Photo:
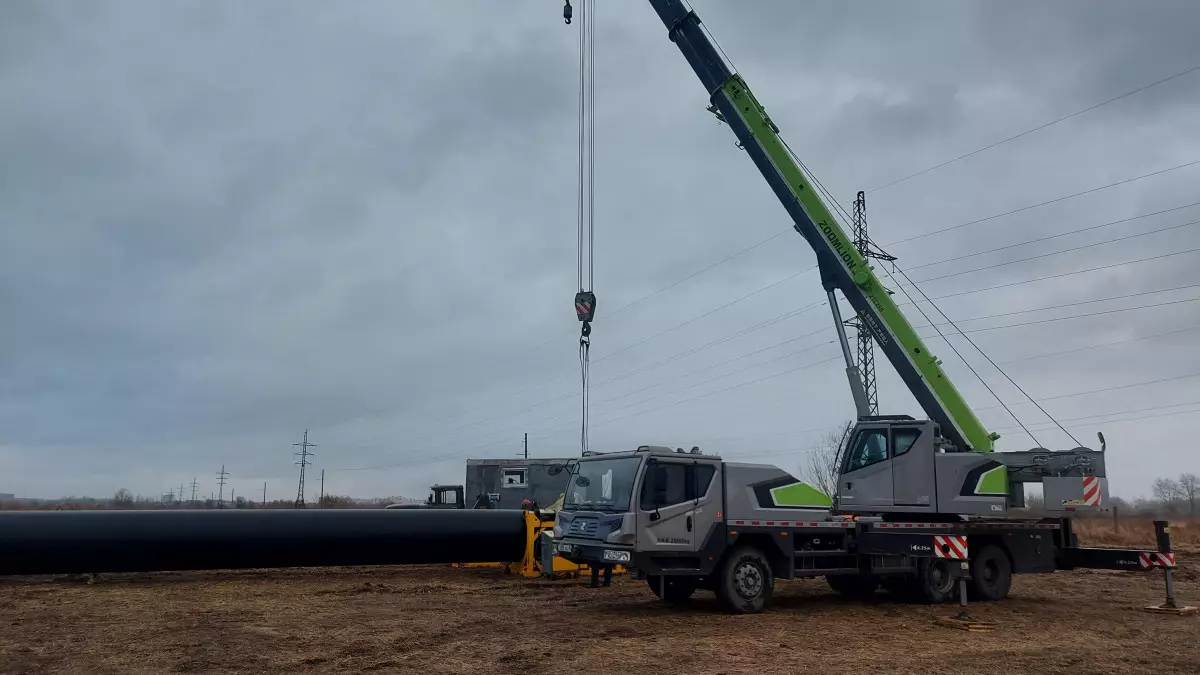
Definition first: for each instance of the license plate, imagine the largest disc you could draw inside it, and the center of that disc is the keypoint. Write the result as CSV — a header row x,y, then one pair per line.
x,y
616,556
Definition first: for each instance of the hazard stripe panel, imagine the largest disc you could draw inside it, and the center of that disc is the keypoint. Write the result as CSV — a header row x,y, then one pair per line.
x,y
953,546
1091,491
1149,559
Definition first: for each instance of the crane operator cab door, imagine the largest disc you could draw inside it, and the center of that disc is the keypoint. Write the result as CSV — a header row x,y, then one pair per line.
x,y
676,506
865,483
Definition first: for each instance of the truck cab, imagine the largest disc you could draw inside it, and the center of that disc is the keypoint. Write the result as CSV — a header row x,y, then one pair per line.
x,y
652,508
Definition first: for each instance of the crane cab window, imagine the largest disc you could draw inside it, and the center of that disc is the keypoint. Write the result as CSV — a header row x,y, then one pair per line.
x,y
870,447
903,440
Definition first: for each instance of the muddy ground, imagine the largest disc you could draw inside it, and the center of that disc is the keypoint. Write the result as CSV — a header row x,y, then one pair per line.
x,y
445,620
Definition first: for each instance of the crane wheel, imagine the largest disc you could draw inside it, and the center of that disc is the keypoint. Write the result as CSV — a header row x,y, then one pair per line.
x,y
934,583
745,581
674,590
991,574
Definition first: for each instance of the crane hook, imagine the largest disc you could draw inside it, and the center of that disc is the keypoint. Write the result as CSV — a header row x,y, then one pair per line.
x,y
567,12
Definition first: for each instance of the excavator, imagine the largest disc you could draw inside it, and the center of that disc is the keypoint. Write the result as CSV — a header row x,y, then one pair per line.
x,y
922,506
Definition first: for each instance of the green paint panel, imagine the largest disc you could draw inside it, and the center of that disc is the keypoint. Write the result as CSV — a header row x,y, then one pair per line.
x,y
800,494
896,326
994,482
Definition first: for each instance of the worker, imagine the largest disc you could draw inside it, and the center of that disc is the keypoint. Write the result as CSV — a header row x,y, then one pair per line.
x,y
596,576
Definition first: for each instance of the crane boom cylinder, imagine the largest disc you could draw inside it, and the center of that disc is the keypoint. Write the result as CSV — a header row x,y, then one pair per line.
x,y
836,253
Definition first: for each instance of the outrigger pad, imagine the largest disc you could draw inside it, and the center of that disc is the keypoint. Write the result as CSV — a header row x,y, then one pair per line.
x,y
1176,610
967,624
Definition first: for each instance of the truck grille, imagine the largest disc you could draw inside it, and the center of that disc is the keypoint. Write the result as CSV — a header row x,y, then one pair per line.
x,y
583,527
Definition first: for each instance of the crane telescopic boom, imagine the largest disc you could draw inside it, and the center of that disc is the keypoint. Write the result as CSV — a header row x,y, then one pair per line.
x,y
841,266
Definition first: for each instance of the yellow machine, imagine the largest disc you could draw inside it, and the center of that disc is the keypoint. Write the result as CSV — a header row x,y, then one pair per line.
x,y
539,532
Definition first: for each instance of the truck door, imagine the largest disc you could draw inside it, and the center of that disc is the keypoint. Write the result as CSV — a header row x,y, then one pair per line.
x,y
705,490
665,511
866,479
913,480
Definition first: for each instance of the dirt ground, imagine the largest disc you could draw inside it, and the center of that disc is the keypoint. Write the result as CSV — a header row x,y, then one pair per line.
x,y
445,620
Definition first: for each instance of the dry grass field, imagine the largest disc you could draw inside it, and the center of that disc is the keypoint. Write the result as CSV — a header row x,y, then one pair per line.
x,y
442,620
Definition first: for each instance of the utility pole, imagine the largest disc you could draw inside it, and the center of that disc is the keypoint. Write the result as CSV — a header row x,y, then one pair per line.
x,y
304,455
264,494
193,490
181,494
527,445
221,483
866,343
321,501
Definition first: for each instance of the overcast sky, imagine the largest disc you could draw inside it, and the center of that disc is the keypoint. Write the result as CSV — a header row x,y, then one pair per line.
x,y
223,222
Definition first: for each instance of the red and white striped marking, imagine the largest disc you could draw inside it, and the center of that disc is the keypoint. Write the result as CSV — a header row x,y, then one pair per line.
x,y
1149,559
1091,491
952,546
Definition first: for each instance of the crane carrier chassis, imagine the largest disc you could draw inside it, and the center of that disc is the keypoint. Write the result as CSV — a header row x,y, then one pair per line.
x,y
685,521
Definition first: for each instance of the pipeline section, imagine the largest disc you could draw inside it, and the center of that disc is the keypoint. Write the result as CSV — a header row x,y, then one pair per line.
x,y
80,542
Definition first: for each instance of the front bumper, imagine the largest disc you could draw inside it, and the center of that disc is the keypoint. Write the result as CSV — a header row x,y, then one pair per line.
x,y
592,553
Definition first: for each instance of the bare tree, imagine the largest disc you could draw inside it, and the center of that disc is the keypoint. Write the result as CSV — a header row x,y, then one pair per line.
x,y
123,498
820,468
1189,486
1167,492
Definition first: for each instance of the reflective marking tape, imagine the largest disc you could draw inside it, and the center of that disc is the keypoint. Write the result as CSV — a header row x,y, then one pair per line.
x,y
966,526
953,546
1091,491
1148,559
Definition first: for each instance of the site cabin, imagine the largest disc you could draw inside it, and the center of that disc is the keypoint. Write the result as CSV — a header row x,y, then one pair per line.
x,y
505,483
686,520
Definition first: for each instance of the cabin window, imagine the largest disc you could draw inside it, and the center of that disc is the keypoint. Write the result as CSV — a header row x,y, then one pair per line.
x,y
514,478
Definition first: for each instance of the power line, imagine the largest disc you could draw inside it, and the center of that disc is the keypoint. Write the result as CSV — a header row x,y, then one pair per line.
x,y
1034,129
506,432
1078,303
1052,236
1063,274
1160,380
1054,253
1060,318
1045,203
1104,344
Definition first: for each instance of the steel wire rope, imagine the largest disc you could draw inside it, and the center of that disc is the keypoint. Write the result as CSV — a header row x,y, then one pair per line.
x,y
829,196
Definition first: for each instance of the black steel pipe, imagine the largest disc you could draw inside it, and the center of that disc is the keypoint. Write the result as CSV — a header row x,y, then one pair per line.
x,y
69,542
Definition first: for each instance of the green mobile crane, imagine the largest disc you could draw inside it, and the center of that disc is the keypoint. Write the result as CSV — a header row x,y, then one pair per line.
x,y
910,492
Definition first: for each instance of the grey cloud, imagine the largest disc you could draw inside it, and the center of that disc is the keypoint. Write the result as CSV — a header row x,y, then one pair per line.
x,y
226,222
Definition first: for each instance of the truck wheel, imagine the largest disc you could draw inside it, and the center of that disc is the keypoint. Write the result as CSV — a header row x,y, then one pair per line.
x,y
677,589
745,581
934,582
858,587
991,574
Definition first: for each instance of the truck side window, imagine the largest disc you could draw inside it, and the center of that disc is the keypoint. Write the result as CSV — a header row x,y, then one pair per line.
x,y
665,484
869,448
702,477
903,440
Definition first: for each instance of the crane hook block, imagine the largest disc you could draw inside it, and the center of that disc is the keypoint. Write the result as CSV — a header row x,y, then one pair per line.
x,y
585,306
567,12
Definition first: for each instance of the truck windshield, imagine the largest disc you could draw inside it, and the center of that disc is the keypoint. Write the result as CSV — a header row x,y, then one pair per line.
x,y
602,484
